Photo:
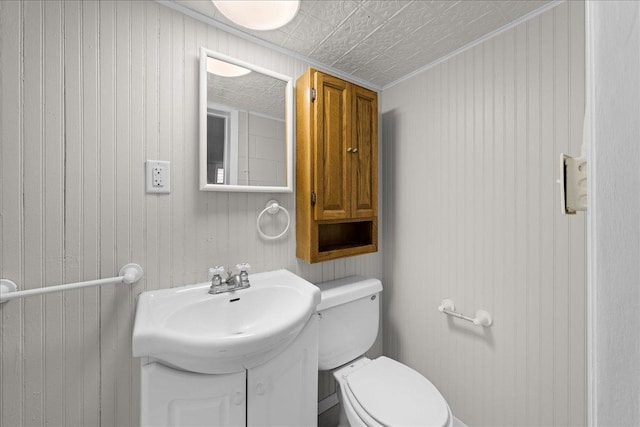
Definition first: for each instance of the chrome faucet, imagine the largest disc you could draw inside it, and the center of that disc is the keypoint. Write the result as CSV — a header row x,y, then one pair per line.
x,y
233,281
244,268
216,280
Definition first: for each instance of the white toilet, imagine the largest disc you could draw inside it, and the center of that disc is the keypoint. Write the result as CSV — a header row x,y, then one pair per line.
x,y
379,392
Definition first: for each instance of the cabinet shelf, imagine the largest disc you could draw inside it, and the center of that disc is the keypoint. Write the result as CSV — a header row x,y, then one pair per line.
x,y
344,235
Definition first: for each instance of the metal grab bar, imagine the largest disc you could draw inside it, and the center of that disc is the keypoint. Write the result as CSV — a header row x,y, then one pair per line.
x,y
483,318
128,274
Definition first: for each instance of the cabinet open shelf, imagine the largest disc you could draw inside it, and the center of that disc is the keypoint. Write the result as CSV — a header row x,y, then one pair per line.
x,y
344,235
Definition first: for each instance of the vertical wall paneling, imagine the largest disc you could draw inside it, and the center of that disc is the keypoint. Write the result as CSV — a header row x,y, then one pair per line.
x,y
123,304
72,208
548,194
577,240
53,161
199,203
165,143
522,218
533,226
137,177
481,134
107,205
54,208
178,147
499,183
150,142
91,90
89,215
509,224
11,220
562,143
33,216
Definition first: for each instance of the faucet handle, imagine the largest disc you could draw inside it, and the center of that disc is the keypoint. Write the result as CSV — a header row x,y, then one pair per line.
x,y
243,266
215,271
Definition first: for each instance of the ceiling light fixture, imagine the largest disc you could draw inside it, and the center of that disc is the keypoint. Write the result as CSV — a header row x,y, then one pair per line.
x,y
259,15
225,69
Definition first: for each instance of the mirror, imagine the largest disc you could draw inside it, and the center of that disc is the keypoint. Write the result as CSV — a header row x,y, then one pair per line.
x,y
246,126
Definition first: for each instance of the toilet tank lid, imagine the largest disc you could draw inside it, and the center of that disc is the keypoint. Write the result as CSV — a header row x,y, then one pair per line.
x,y
342,291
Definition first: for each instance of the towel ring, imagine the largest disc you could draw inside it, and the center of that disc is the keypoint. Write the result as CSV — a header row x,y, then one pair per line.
x,y
273,207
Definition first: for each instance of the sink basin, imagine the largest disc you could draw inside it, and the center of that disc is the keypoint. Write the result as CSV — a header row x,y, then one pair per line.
x,y
190,329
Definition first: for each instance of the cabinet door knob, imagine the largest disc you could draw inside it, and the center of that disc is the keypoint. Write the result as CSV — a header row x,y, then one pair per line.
x,y
349,150
260,389
355,150
238,398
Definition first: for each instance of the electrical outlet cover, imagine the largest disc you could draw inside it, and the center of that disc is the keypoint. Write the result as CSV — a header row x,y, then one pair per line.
x,y
158,176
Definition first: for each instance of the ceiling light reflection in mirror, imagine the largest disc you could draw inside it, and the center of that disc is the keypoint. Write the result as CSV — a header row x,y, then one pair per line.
x,y
224,69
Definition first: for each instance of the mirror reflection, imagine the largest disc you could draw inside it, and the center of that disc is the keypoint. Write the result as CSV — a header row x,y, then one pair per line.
x,y
246,128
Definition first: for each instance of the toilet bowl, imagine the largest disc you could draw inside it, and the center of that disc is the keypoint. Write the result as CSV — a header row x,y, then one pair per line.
x,y
378,392
383,392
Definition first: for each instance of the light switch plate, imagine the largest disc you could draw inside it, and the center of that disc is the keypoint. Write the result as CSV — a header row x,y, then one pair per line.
x,y
158,176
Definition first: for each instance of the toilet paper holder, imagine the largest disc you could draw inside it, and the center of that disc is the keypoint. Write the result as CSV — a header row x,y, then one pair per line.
x,y
483,318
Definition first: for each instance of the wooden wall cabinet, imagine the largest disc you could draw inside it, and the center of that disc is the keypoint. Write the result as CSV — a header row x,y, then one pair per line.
x,y
336,168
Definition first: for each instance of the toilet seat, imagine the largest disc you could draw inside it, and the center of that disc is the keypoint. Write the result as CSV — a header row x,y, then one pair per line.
x,y
384,392
356,414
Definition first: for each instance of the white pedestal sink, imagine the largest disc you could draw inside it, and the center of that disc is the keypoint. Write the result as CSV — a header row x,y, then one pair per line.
x,y
192,330
248,357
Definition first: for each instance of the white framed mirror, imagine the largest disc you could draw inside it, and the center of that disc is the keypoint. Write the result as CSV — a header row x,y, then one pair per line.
x,y
246,126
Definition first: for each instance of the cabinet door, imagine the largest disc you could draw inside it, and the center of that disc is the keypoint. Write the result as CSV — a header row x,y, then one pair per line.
x,y
332,119
170,397
284,391
364,155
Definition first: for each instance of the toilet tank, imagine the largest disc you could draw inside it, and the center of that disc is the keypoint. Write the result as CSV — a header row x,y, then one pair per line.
x,y
348,317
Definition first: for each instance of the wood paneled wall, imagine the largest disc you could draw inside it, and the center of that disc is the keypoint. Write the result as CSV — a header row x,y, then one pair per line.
x,y
90,90
470,159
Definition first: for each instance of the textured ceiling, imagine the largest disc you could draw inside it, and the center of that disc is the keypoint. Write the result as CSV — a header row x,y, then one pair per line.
x,y
253,92
381,41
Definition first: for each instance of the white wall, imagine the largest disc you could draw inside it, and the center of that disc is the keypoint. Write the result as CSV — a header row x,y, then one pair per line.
x,y
470,158
89,91
267,151
614,201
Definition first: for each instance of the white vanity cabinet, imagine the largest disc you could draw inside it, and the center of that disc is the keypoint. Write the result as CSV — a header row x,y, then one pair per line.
x,y
284,391
171,397
281,392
